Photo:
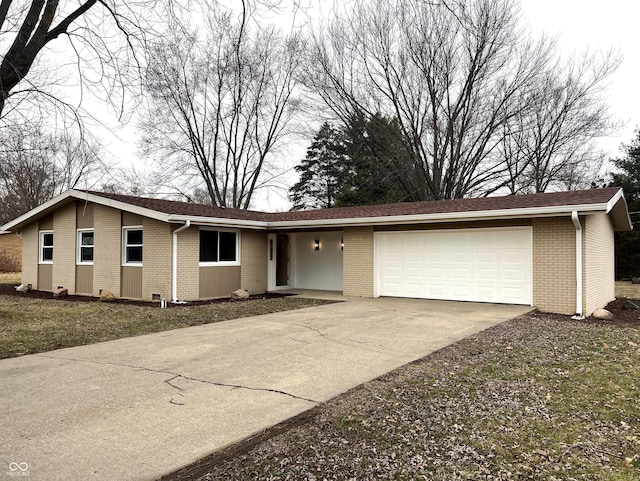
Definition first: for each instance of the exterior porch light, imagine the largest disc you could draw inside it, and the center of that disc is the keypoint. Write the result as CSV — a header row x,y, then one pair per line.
x,y
316,244
342,244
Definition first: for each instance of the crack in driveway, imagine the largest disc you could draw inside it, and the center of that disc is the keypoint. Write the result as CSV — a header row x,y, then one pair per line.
x,y
182,376
322,334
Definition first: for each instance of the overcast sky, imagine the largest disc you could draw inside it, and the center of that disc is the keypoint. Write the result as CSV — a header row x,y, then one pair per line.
x,y
599,25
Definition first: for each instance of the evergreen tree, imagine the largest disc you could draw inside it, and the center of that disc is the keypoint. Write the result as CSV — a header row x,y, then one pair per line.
x,y
373,147
321,172
628,177
352,166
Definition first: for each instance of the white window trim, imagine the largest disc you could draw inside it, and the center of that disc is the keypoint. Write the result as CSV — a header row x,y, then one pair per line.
x,y
124,245
41,245
221,263
79,247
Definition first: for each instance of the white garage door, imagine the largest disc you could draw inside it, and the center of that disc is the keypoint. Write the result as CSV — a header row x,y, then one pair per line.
x,y
483,265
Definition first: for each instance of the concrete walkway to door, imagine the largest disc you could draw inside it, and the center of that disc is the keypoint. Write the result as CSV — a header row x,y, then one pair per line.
x,y
142,407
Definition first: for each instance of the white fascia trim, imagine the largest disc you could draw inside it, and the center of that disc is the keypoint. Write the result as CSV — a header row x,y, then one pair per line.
x,y
551,211
218,222
57,199
79,195
614,200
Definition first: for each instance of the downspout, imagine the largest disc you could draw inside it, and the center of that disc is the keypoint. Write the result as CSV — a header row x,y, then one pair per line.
x,y
174,261
576,223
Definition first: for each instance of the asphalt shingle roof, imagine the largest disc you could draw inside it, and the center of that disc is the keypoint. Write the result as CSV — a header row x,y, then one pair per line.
x,y
553,199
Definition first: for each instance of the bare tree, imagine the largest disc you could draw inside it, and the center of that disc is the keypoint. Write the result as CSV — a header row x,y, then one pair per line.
x,y
553,140
220,101
458,76
35,166
105,36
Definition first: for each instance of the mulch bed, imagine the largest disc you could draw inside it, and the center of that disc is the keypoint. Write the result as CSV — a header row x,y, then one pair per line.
x,y
622,315
9,290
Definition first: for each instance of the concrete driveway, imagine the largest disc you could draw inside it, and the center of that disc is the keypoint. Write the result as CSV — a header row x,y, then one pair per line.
x,y
142,407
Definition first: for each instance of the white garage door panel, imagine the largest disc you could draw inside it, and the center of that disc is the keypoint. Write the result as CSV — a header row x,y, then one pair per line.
x,y
484,265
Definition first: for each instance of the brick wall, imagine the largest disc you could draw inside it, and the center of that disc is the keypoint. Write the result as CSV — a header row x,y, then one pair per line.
x,y
598,272
64,248
10,252
30,255
253,259
358,262
156,259
107,249
188,259
554,257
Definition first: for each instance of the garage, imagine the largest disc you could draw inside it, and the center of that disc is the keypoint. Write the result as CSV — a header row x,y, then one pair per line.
x,y
481,265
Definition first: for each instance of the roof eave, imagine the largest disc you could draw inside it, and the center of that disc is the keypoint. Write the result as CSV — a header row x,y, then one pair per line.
x,y
552,211
219,221
19,222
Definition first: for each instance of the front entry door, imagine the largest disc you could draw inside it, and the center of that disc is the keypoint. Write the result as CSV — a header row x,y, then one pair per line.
x,y
282,260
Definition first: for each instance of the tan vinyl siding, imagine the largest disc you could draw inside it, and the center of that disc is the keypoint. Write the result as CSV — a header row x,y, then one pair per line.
x,y
218,281
131,287
358,262
188,269
84,280
129,219
156,259
45,276
64,248
253,259
84,215
30,255
598,270
107,250
46,223
554,269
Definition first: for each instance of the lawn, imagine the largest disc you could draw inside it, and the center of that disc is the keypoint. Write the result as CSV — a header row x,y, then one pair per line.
x,y
541,397
29,325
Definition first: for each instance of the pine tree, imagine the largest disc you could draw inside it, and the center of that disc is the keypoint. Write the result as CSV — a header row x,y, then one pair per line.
x,y
322,172
627,245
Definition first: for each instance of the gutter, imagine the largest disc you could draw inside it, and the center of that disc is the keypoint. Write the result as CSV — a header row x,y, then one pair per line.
x,y
576,223
174,261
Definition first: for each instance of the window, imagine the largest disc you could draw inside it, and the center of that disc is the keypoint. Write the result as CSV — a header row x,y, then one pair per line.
x,y
46,247
132,246
218,247
85,247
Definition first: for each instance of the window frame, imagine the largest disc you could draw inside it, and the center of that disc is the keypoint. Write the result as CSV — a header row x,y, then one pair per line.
x,y
79,247
126,229
41,246
220,263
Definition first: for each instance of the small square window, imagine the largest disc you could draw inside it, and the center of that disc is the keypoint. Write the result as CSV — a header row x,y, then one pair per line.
x,y
132,246
85,246
46,247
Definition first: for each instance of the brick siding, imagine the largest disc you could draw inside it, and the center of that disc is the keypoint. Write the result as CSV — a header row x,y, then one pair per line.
x,y
107,255
358,262
554,259
10,252
30,255
188,260
156,259
64,248
253,260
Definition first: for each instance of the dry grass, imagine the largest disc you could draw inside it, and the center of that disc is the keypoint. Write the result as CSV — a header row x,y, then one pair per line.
x,y
29,325
628,290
